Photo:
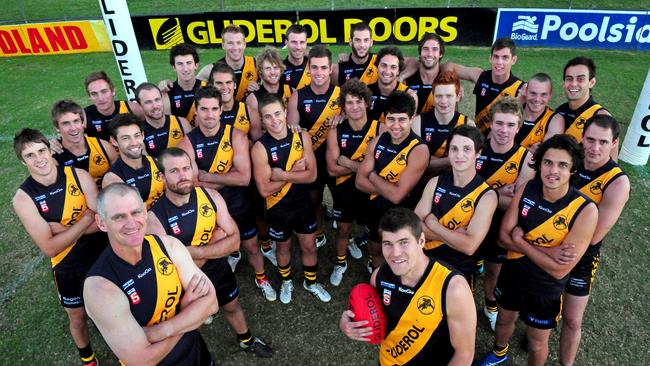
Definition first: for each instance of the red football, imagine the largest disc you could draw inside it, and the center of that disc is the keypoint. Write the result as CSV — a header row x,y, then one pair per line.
x,y
366,305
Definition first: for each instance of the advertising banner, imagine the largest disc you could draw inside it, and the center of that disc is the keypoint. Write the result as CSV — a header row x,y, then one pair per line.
x,y
53,38
616,30
460,26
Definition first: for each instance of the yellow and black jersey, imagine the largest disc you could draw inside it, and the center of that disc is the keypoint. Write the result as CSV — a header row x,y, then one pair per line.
x,y
379,102
488,93
97,123
499,170
283,154
284,92
574,119
94,161
545,224
366,72
316,111
418,333
181,101
296,76
532,132
158,139
353,144
245,75
64,202
592,183
423,90
435,135
454,208
390,159
154,290
146,179
237,117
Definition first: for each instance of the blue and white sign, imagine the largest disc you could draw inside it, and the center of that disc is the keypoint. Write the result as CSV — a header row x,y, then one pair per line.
x,y
621,30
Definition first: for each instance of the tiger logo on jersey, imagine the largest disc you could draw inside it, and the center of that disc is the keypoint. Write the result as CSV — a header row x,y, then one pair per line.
x,y
298,145
165,267
176,133
426,305
512,168
99,160
227,146
73,190
401,160
249,75
467,205
596,187
559,222
206,210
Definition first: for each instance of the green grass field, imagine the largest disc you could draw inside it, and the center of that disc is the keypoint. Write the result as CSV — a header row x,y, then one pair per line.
x,y
34,327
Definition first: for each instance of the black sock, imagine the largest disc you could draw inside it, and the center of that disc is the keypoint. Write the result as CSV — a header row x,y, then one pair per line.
x,y
310,274
246,338
87,355
491,305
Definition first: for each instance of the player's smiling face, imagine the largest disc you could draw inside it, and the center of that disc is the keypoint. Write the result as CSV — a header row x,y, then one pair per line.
x,y
185,67
130,141
462,153
225,84
125,219
37,157
430,54
398,126
297,45
446,98
388,69
71,127
538,94
402,250
320,70
270,73
597,143
361,42
504,128
152,103
274,118
502,61
355,107
101,94
577,84
234,45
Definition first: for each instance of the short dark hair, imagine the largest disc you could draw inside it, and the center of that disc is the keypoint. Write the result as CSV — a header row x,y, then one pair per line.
x,y
222,68
501,43
183,49
398,218
270,98
169,152
604,121
542,77
145,86
28,136
320,51
295,28
122,120
400,102
581,60
98,75
394,51
207,92
355,88
65,106
471,132
561,142
358,27
432,36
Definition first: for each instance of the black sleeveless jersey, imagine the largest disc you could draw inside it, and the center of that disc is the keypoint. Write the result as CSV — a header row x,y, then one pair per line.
x,y
296,76
158,139
434,134
181,100
94,161
146,179
315,112
487,93
500,170
424,91
574,119
97,123
352,144
366,72
379,102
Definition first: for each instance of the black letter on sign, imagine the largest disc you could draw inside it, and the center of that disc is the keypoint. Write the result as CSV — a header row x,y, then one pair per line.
x,y
124,67
123,48
644,123
129,85
106,11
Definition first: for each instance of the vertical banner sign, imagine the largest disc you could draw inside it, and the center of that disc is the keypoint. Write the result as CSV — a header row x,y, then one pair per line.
x,y
636,147
125,47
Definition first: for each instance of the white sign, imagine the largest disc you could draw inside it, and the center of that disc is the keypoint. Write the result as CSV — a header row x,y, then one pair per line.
x,y
636,147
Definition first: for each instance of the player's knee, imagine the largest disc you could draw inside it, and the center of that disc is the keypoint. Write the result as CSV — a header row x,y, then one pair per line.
x,y
537,345
572,322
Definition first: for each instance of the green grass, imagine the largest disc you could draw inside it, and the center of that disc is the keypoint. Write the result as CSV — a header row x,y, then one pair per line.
x,y
34,328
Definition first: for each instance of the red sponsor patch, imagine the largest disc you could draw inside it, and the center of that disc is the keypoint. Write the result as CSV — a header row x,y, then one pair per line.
x,y
44,207
524,211
199,153
133,295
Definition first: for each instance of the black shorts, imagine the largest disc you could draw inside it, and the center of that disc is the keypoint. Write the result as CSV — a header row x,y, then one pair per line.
x,y
490,249
283,222
322,175
69,285
537,311
224,281
349,203
190,350
376,208
240,208
583,274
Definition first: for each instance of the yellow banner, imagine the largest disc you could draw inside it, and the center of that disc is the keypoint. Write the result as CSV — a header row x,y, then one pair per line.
x,y
53,38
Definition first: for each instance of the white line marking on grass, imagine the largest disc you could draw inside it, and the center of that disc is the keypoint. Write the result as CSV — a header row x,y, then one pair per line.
x,y
10,289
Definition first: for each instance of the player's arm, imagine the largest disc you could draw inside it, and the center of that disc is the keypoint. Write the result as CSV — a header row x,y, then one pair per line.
x,y
204,73
358,331
154,226
185,125
262,172
303,170
219,246
109,309
424,206
610,207
555,126
334,78
89,188
526,173
463,72
418,161
50,243
461,320
110,178
167,105
240,172
333,157
199,300
111,153
293,117
362,181
411,66
467,241
252,107
413,95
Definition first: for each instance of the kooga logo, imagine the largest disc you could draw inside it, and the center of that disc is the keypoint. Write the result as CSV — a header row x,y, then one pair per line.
x,y
600,29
